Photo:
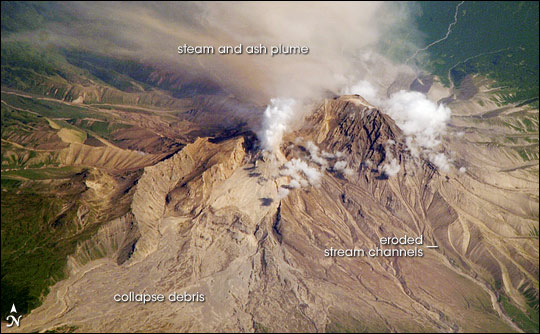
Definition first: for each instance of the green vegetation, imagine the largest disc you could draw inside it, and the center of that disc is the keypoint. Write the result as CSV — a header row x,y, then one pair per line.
x,y
38,232
534,233
63,329
260,328
41,173
39,226
531,295
40,199
14,158
31,68
495,39
101,128
349,323
10,116
18,16
51,116
21,55
526,321
52,109
118,73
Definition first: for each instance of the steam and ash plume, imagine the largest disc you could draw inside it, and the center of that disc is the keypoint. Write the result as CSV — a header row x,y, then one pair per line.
x,y
343,39
335,32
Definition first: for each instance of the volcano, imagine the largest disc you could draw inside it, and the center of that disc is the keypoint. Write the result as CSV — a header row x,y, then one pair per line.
x,y
223,219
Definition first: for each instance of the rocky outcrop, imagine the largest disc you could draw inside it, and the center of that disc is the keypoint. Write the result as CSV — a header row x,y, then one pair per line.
x,y
108,157
184,178
114,240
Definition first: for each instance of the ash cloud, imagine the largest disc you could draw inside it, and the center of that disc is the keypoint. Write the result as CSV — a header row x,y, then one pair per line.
x,y
343,39
335,33
338,34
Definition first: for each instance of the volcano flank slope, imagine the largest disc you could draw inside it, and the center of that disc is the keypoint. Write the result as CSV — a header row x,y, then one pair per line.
x,y
225,220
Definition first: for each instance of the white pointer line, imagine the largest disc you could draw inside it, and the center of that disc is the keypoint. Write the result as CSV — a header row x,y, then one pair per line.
x,y
432,246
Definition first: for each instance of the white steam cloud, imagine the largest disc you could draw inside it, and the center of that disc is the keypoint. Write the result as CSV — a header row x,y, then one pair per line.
x,y
314,153
277,119
392,168
341,166
299,171
308,170
418,117
423,122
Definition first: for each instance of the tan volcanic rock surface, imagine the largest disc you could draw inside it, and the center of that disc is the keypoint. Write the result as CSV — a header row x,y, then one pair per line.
x,y
188,175
497,197
211,220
